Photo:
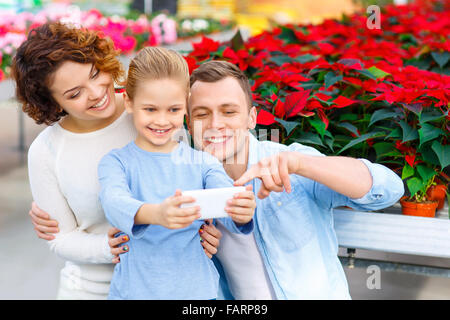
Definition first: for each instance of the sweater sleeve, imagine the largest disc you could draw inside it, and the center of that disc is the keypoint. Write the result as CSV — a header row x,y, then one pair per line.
x,y
70,242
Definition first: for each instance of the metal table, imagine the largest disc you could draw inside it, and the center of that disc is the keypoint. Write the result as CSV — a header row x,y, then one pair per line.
x,y
393,232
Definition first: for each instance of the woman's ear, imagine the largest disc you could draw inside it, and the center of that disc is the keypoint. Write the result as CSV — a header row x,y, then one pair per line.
x,y
252,118
128,103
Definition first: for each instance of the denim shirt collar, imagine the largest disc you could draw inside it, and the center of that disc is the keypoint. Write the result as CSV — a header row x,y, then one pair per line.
x,y
253,157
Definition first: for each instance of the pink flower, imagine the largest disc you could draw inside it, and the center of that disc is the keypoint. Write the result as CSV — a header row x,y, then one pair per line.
x,y
170,31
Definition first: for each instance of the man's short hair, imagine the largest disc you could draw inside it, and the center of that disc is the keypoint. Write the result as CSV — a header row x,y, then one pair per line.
x,y
216,70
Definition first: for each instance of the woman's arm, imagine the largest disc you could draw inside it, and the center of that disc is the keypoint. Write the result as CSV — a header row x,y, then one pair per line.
x,y
70,242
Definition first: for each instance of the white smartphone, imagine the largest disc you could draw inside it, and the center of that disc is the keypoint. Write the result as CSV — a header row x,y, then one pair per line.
x,y
212,202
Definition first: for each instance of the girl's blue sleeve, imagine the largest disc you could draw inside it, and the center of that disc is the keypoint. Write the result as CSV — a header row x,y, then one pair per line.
x,y
116,198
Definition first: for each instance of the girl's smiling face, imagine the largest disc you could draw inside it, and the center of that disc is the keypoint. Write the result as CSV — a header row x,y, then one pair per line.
x,y
158,109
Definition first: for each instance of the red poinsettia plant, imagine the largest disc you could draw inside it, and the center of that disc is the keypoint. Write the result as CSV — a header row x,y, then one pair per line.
x,y
349,90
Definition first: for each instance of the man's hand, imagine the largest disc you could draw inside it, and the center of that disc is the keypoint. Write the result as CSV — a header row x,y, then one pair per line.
x,y
241,207
274,173
42,224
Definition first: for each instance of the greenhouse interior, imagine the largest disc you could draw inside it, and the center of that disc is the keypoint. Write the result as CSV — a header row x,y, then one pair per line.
x,y
346,102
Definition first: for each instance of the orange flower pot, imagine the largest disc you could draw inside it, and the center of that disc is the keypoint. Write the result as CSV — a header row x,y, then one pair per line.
x,y
437,192
418,209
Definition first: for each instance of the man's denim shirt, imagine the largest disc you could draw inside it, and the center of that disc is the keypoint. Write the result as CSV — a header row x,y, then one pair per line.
x,y
295,233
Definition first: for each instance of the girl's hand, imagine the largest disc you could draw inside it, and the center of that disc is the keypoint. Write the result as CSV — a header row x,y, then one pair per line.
x,y
171,216
114,243
209,238
241,207
42,224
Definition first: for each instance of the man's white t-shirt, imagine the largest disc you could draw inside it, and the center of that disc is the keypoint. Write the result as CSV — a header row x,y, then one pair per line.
x,y
243,266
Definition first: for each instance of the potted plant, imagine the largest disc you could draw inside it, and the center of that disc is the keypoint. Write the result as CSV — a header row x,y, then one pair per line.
x,y
418,181
438,190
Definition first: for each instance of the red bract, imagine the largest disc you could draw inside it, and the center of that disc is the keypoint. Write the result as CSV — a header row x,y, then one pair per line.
x,y
342,102
192,63
265,118
296,102
239,58
410,159
203,48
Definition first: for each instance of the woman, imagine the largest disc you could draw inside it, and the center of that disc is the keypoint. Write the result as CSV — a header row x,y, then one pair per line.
x,y
65,78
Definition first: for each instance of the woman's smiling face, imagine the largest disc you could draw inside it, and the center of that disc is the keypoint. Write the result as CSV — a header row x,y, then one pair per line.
x,y
83,91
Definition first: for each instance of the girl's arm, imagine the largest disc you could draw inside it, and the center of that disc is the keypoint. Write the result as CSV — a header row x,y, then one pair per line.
x,y
70,243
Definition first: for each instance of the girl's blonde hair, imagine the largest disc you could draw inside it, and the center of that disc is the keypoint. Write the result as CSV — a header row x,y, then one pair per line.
x,y
153,63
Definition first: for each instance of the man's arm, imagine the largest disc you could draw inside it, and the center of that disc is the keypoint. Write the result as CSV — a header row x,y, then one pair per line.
x,y
354,182
348,176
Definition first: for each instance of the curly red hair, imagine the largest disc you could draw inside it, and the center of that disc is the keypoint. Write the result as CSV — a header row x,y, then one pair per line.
x,y
45,49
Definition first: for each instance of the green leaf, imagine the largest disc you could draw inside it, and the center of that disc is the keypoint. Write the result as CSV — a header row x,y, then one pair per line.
x,y
348,117
428,132
310,85
349,127
428,155
331,78
366,73
441,58
414,185
329,141
381,114
426,173
409,133
288,125
237,42
280,60
407,171
385,149
318,125
360,139
429,117
310,138
395,134
443,153
305,58
407,37
378,73
288,35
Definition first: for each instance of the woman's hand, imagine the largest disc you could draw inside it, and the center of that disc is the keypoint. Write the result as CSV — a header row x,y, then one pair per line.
x,y
241,207
209,238
42,224
114,243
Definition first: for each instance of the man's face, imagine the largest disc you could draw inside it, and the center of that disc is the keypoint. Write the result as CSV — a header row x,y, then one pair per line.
x,y
219,119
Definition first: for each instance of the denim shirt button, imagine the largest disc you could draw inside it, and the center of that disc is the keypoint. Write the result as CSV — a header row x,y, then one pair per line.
x,y
279,203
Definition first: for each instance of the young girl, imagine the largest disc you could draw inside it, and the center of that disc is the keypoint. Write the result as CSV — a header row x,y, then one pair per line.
x,y
141,187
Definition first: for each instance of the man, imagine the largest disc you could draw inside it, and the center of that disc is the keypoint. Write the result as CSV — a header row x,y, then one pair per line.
x,y
293,251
